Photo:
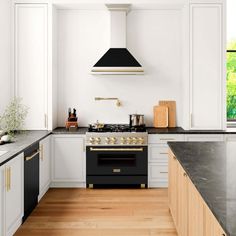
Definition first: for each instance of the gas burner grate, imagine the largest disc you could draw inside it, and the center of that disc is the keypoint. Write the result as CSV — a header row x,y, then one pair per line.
x,y
116,128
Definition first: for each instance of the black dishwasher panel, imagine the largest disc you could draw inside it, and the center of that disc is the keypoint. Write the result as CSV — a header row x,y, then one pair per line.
x,y
31,179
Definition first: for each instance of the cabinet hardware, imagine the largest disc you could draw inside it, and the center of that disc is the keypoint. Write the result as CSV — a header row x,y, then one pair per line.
x,y
32,156
191,120
116,149
116,170
45,121
41,152
163,153
163,172
90,186
142,185
166,139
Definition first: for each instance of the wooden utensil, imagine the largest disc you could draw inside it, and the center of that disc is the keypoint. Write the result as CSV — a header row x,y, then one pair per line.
x,y
171,112
160,116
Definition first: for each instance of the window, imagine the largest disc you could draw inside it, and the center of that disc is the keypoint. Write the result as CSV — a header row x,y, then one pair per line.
x,y
231,61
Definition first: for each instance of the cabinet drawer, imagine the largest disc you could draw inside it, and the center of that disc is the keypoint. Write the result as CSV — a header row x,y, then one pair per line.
x,y
164,138
204,137
158,153
158,172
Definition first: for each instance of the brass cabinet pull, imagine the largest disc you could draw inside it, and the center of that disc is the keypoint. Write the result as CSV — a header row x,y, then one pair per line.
x,y
164,139
32,156
116,149
116,170
41,152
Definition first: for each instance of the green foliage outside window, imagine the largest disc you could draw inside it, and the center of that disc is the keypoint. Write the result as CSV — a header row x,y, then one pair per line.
x,y
231,81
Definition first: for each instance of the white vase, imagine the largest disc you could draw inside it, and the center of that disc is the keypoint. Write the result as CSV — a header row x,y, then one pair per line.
x,y
6,138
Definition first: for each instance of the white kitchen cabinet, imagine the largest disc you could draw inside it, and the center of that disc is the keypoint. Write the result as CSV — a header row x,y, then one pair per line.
x,y
44,166
68,166
205,66
30,61
158,158
12,202
204,137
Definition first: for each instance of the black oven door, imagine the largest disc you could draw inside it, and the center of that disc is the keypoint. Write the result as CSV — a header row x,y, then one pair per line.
x,y
116,160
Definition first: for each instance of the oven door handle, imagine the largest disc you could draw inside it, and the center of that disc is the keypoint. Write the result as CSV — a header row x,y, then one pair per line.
x,y
116,149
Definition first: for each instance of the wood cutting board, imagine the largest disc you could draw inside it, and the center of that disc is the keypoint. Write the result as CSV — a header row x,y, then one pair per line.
x,y
160,116
171,112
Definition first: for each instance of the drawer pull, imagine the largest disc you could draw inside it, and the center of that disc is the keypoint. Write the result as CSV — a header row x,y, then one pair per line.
x,y
164,172
32,156
163,153
166,139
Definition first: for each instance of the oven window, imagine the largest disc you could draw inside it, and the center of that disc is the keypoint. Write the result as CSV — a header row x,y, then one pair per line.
x,y
117,160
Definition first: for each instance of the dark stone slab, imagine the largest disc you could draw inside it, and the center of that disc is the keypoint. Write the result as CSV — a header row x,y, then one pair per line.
x,y
211,166
63,130
180,130
177,130
20,142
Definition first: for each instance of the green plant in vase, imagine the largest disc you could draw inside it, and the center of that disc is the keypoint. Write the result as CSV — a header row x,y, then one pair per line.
x,y
13,118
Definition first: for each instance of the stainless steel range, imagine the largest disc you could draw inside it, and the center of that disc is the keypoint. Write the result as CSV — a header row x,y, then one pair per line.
x,y
116,155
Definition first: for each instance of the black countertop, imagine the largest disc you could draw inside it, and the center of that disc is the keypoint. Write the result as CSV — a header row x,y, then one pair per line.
x,y
180,130
20,142
211,167
63,130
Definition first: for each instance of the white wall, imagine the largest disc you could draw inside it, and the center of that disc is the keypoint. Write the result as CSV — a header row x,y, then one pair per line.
x,y
5,63
153,37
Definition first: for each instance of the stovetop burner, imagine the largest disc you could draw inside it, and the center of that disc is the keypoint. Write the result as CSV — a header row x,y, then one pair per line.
x,y
116,128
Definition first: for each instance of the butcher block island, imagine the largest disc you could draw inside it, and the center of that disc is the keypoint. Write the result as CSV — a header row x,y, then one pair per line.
x,y
202,188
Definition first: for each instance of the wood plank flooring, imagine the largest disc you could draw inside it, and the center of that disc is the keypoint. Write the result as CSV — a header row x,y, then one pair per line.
x,y
101,212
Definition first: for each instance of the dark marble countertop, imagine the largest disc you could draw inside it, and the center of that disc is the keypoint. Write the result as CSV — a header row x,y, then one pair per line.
x,y
176,130
211,167
20,142
180,130
63,130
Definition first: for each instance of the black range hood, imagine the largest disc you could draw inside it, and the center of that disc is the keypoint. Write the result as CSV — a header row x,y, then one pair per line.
x,y
117,59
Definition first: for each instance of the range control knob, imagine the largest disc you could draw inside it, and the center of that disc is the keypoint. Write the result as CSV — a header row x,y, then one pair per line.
x,y
107,139
123,140
141,140
91,140
97,140
129,140
134,140
113,140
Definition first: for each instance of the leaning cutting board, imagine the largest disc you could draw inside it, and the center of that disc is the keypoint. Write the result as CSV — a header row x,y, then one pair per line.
x,y
171,112
160,116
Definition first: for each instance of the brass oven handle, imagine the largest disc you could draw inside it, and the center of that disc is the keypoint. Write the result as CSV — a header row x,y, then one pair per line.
x,y
32,156
116,149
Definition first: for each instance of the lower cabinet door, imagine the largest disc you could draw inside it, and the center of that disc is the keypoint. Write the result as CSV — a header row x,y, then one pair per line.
x,y
195,212
68,158
158,175
182,205
44,165
172,190
13,194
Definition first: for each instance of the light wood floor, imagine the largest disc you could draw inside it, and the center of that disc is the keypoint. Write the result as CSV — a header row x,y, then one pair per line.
x,y
99,212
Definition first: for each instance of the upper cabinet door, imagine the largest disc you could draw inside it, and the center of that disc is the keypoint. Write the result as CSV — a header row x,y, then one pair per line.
x,y
30,61
207,62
